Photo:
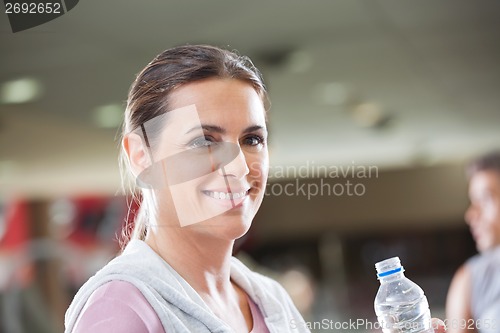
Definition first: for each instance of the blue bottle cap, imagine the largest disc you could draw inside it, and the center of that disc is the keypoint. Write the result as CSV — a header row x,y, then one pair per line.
x,y
388,267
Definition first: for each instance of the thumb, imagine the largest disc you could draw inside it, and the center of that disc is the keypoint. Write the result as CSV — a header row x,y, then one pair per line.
x,y
438,325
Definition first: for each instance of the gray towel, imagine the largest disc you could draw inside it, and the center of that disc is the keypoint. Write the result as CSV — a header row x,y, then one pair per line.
x,y
178,306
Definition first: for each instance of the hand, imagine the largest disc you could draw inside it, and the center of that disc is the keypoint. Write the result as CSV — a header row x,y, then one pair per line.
x,y
438,325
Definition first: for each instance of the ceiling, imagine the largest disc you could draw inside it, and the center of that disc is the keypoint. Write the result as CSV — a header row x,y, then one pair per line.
x,y
374,82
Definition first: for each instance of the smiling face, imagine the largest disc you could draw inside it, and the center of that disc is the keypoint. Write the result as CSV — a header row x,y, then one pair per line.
x,y
213,151
483,215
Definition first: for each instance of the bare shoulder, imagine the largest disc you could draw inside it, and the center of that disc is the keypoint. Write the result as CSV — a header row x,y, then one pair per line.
x,y
461,278
458,300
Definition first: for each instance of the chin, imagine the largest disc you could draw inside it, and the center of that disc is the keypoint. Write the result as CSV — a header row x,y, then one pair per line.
x,y
234,228
224,227
481,248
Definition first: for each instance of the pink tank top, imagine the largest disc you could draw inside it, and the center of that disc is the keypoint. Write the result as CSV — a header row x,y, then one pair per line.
x,y
118,306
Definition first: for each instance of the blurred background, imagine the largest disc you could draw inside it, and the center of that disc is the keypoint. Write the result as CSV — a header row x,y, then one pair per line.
x,y
376,106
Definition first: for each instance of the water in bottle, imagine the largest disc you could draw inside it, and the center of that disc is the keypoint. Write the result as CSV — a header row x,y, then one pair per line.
x,y
400,304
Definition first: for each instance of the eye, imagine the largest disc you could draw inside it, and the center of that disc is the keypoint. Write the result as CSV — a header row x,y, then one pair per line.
x,y
200,142
254,141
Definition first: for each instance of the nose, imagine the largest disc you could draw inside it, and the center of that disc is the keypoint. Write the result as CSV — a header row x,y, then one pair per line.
x,y
237,168
471,214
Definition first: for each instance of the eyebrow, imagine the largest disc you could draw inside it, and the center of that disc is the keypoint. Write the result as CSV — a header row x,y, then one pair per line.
x,y
220,130
254,128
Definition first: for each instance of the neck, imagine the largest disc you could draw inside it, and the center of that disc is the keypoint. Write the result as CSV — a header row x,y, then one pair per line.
x,y
204,262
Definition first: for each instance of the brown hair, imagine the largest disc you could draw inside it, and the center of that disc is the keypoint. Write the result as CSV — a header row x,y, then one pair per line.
x,y
149,97
488,162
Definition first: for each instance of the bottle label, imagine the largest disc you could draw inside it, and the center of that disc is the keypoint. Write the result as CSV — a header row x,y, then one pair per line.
x,y
389,272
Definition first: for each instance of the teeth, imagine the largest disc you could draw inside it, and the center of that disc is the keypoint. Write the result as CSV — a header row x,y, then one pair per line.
x,y
226,196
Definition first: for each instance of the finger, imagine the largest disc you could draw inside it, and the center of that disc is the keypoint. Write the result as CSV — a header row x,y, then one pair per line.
x,y
438,325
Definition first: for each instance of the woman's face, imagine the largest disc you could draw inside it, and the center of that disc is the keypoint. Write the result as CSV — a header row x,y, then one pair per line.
x,y
213,153
483,215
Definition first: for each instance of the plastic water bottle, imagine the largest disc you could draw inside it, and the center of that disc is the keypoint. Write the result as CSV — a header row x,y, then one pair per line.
x,y
400,304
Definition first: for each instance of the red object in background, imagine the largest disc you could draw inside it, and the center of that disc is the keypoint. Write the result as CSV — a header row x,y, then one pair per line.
x,y
89,213
85,231
16,224
92,220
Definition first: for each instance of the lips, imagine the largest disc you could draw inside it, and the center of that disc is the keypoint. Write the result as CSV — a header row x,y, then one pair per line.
x,y
476,234
221,195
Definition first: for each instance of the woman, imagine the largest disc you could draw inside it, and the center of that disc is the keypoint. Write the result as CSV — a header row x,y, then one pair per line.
x,y
194,138
195,141
473,301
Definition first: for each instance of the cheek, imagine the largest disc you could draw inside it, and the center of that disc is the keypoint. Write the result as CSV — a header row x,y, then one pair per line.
x,y
259,167
495,215
491,212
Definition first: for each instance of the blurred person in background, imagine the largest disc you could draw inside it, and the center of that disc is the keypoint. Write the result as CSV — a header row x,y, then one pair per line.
x,y
473,302
195,141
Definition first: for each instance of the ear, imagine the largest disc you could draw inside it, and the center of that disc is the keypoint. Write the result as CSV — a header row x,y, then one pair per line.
x,y
137,153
